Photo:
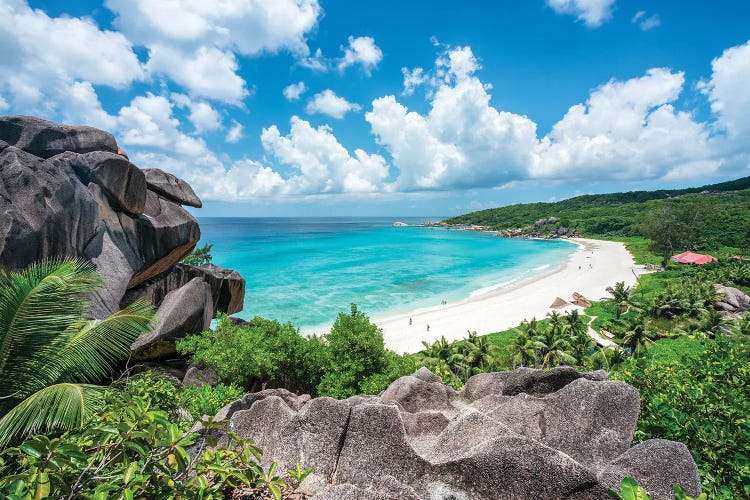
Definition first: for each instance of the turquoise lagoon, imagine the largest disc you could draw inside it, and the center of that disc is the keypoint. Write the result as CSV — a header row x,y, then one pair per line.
x,y
307,270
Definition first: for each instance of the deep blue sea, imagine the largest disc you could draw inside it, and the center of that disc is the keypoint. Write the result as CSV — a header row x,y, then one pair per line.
x,y
307,270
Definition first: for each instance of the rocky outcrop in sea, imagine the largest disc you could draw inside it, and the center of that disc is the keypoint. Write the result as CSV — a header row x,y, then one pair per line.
x,y
71,191
524,434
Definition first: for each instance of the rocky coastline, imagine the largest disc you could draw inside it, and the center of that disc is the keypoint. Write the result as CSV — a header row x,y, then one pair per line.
x,y
548,228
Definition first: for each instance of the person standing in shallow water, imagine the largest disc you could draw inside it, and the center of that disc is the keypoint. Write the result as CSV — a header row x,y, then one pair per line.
x,y
428,328
409,321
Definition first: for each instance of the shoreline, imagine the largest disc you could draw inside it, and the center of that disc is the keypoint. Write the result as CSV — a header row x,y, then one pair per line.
x,y
589,270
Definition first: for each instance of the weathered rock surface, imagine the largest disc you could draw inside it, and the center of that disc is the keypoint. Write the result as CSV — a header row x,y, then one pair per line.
x,y
71,191
189,309
121,181
171,187
45,139
515,435
732,302
227,286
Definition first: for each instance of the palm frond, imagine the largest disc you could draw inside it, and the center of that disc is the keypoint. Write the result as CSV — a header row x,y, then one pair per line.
x,y
90,353
37,304
60,406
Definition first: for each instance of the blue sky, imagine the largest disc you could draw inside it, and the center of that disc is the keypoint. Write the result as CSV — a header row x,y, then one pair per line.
x,y
316,107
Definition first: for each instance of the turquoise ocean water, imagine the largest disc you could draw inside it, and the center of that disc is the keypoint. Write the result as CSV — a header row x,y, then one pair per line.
x,y
307,270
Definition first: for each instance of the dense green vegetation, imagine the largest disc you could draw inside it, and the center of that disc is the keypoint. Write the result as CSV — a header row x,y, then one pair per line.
x,y
718,220
133,450
265,353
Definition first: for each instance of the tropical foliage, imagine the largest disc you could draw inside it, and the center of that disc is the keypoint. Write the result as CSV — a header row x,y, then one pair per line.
x,y
134,451
50,356
351,358
200,256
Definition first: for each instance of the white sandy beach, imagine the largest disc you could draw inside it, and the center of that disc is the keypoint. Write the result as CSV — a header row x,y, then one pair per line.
x,y
589,271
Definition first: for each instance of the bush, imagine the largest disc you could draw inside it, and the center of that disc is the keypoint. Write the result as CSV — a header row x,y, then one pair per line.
x,y
265,353
134,451
200,256
200,400
705,404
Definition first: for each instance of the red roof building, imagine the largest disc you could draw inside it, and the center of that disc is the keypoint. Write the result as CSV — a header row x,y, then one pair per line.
x,y
693,258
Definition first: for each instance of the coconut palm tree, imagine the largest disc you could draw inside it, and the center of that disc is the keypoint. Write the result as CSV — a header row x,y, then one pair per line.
x,y
49,354
552,349
574,324
580,347
636,336
621,298
525,352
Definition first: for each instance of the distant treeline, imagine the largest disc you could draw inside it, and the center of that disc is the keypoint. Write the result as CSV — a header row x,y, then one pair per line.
x,y
724,208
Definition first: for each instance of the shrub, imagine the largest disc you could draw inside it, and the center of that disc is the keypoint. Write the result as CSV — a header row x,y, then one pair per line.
x,y
200,400
134,451
200,256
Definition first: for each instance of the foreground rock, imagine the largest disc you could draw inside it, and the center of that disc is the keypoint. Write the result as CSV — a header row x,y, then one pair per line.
x,y
71,191
732,302
524,434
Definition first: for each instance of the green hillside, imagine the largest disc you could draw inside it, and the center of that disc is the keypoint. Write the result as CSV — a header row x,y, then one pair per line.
x,y
725,210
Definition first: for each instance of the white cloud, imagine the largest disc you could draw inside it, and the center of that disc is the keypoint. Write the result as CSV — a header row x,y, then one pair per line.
x,y
50,64
203,117
626,130
148,122
728,90
328,103
593,13
412,79
3,104
321,163
646,23
235,133
294,91
205,72
194,42
315,62
462,141
361,50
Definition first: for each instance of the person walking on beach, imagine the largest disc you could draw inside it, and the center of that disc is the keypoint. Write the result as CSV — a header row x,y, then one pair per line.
x,y
428,328
409,321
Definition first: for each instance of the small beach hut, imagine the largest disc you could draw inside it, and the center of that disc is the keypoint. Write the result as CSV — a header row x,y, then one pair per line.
x,y
693,258
559,303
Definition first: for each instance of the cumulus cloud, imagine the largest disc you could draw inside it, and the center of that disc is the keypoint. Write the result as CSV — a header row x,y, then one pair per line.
x,y
194,43
645,22
462,141
203,117
294,91
593,13
205,72
50,64
321,163
628,129
328,103
363,51
235,133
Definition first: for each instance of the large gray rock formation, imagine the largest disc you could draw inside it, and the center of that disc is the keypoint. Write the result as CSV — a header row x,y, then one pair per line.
x,y
71,191
524,434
